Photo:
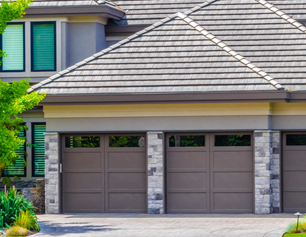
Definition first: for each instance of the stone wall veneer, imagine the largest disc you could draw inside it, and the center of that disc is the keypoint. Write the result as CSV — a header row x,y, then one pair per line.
x,y
52,173
155,161
267,172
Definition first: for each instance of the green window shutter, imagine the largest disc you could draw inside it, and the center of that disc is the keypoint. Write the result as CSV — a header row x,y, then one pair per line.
x,y
19,168
43,46
39,150
13,46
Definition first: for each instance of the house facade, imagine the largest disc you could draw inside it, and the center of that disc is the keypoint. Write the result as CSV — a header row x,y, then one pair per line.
x,y
162,107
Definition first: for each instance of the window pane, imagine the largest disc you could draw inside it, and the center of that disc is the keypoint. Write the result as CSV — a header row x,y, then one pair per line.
x,y
43,37
186,141
39,149
86,141
233,140
126,141
19,168
296,140
13,46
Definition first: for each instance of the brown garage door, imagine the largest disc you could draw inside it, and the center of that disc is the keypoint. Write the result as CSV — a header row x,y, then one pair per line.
x,y
209,173
104,174
294,172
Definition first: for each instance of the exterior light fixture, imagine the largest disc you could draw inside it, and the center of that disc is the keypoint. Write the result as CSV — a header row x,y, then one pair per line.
x,y
298,218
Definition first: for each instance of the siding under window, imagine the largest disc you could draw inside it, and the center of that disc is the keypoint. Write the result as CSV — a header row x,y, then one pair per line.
x,y
38,153
19,168
43,46
13,46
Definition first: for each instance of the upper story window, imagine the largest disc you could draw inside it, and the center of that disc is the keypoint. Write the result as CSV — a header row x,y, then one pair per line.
x,y
43,46
12,43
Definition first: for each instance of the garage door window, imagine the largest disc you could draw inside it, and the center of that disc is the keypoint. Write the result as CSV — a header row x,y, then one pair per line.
x,y
296,140
233,140
82,142
126,141
187,141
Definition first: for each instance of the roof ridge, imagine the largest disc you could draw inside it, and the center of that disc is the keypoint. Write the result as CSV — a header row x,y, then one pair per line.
x,y
99,54
230,51
282,14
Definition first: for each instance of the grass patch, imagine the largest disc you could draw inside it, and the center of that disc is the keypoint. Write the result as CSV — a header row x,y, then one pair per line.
x,y
295,235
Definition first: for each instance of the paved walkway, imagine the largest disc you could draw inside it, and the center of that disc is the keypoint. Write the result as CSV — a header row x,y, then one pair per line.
x,y
133,225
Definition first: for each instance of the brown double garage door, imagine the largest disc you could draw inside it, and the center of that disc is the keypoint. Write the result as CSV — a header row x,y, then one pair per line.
x,y
104,174
205,173
210,173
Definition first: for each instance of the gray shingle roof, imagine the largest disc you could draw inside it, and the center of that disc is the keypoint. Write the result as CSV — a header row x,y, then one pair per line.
x,y
66,3
150,11
212,47
264,35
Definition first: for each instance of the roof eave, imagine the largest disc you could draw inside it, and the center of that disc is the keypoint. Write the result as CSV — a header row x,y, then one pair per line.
x,y
166,98
100,10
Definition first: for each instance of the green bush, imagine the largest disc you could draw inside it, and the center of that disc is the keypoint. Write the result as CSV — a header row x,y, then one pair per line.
x,y
28,220
11,205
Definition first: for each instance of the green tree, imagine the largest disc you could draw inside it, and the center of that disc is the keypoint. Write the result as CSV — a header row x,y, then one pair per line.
x,y
11,10
14,99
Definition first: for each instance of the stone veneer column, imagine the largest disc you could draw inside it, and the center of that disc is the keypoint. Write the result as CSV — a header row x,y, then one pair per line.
x,y
267,171
52,173
155,161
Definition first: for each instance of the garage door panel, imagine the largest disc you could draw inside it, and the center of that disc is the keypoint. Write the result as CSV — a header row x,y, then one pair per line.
x,y
294,181
82,161
102,179
294,160
233,181
83,181
127,202
187,181
83,202
125,160
187,202
126,181
232,202
241,160
187,160
294,172
217,178
294,202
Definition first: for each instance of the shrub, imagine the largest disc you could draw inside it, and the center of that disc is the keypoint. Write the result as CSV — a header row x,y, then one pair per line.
x,y
16,231
28,220
292,227
11,204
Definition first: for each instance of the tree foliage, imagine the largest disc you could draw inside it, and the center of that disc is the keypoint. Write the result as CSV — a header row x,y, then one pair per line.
x,y
11,10
14,99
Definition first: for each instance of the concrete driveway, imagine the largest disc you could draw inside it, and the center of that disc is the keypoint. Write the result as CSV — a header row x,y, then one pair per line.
x,y
115,225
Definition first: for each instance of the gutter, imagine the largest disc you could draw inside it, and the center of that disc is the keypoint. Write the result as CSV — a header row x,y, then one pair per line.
x,y
104,10
207,97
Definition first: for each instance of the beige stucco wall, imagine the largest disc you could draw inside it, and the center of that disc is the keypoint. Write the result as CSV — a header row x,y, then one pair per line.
x,y
176,117
145,124
156,110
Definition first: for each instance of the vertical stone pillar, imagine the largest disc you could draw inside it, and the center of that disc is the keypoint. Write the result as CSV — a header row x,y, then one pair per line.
x,y
275,172
155,161
267,173
52,173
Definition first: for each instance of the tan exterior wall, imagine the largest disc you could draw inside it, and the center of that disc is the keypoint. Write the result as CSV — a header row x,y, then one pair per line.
x,y
288,122
156,110
145,124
